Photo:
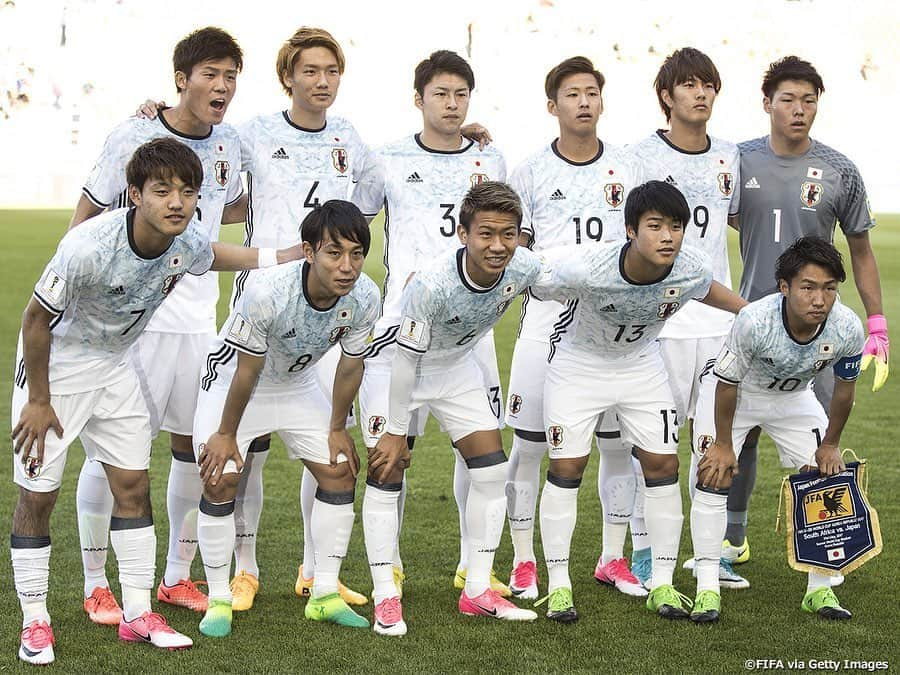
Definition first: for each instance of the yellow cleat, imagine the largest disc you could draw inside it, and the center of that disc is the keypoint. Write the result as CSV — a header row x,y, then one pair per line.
x,y
303,588
736,555
399,578
243,591
459,581
350,596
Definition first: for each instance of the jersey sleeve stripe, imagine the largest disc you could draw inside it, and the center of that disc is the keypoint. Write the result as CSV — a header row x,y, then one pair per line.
x,y
354,355
93,199
246,350
47,305
236,199
727,380
411,349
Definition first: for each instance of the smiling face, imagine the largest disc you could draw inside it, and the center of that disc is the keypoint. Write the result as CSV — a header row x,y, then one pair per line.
x,y
208,89
810,295
444,104
657,238
314,79
334,266
792,110
165,205
578,105
691,101
490,242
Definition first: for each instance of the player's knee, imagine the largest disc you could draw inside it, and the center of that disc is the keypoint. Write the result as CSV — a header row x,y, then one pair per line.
x,y
131,492
182,447
724,485
224,490
658,467
570,468
373,477
334,478
34,507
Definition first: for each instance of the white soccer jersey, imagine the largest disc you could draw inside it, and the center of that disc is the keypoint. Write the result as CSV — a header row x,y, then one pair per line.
x,y
291,169
761,355
192,307
566,203
609,316
275,318
104,294
445,313
421,190
709,181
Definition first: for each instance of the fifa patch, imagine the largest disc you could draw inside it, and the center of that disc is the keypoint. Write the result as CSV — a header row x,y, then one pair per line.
x,y
222,172
614,194
725,360
376,424
478,179
704,443
515,404
338,333
340,160
240,330
671,292
345,314
813,172
53,288
725,181
412,332
555,435
811,193
175,261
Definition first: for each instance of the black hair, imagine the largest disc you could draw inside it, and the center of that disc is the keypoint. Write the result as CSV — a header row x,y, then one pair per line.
x,y
659,196
442,61
574,66
336,219
791,68
809,251
490,196
205,44
679,67
163,158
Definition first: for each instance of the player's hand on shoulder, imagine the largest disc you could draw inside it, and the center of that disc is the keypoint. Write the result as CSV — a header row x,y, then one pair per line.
x,y
290,254
35,420
717,466
478,133
389,454
215,453
829,460
341,443
149,109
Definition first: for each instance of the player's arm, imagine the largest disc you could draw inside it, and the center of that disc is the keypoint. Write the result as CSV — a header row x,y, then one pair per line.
x,y
233,258
828,456
478,133
391,451
868,283
347,379
37,415
236,212
734,221
222,445
719,463
84,209
721,297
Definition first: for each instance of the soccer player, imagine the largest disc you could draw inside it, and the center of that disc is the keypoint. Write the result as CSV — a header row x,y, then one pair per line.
x,y
795,186
420,181
445,310
284,322
607,359
169,355
96,296
706,170
573,192
774,350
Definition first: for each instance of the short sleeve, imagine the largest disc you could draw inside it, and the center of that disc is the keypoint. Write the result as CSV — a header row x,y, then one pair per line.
x,y
69,270
847,367
364,159
106,181
738,352
247,327
704,275
853,210
735,205
420,306
203,254
522,181
368,193
356,342
246,133
564,273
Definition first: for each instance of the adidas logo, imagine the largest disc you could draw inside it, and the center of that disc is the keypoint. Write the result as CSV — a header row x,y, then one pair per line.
x,y
117,290
290,334
455,319
671,181
280,154
609,308
414,178
752,183
557,195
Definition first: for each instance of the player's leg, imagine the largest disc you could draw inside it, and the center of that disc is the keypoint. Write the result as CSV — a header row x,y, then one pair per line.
x,y
248,503
736,547
93,506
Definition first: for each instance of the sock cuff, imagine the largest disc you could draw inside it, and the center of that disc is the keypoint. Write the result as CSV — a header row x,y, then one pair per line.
x,y
720,492
384,487
116,523
335,498
216,510
260,445
21,541
661,482
532,436
185,456
483,461
559,481
608,434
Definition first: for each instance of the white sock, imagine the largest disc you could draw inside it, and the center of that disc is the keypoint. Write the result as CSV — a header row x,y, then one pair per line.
x,y
332,521
380,530
94,503
461,485
485,516
816,580
708,520
308,487
401,505
692,475
247,509
664,520
522,487
182,502
134,541
616,487
559,511
215,530
31,572
640,540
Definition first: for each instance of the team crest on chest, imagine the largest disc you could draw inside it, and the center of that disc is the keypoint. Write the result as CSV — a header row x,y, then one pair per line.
x,y
726,183
614,193
478,178
338,333
340,160
170,281
222,172
667,309
811,193
502,306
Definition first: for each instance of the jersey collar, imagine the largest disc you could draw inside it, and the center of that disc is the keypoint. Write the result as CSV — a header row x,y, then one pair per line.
x,y
129,228
632,281
173,130
464,276
554,146
464,148
287,118
304,274
787,328
662,134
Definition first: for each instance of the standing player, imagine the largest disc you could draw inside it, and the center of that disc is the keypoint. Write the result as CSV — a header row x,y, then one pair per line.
x,y
573,191
706,170
446,309
776,347
168,357
795,186
607,359
420,181
94,299
279,328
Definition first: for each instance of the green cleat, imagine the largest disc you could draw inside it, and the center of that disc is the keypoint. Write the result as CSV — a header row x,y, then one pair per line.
x,y
560,607
217,620
707,606
333,609
824,602
669,603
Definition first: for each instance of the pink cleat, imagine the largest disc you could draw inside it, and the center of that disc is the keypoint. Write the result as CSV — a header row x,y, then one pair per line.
x,y
152,627
389,617
523,580
36,646
102,608
183,594
616,573
491,604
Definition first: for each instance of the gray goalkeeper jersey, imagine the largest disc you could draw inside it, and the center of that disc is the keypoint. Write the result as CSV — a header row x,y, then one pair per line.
x,y
785,198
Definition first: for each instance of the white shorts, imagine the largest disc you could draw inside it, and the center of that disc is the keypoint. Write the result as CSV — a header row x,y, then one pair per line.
x,y
687,360
579,389
324,370
169,366
299,414
795,422
111,422
374,393
456,397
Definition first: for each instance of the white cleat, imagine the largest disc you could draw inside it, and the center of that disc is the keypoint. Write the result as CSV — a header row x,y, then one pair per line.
x,y
389,617
36,646
491,604
617,573
151,627
523,581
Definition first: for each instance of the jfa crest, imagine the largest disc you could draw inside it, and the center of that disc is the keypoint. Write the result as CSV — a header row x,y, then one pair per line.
x,y
338,333
515,404
502,306
222,172
828,504
726,183
667,309
703,444
811,193
170,282
615,194
555,436
339,159
32,467
376,424
478,178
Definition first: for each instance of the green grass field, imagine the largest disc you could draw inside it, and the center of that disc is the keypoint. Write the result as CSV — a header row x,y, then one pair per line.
x,y
615,633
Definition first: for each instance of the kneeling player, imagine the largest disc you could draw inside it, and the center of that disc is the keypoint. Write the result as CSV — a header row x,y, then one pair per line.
x,y
605,358
446,310
282,325
765,371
